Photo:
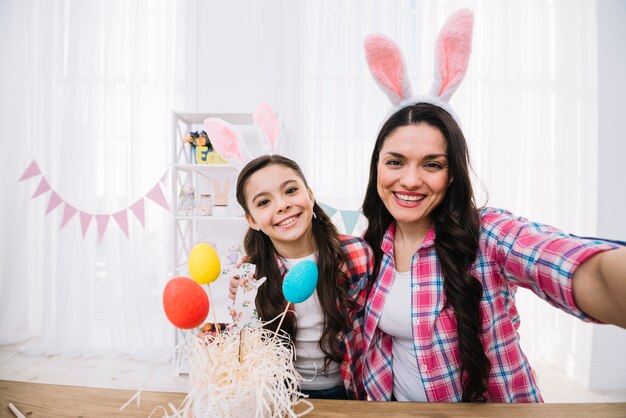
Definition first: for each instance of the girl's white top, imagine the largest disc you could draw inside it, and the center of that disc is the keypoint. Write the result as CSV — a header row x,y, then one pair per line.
x,y
309,358
395,320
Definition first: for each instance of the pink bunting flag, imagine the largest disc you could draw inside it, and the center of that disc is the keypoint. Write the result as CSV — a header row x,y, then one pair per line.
x,y
164,178
68,213
85,220
139,212
55,200
31,171
156,195
42,188
102,221
122,220
138,208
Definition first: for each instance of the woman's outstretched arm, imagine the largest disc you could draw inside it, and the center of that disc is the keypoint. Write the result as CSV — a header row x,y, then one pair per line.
x,y
600,287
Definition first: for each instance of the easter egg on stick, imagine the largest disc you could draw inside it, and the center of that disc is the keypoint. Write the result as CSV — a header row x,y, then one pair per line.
x,y
300,282
185,303
298,285
204,263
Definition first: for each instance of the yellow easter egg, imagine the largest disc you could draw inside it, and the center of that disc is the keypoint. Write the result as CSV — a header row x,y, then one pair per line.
x,y
204,264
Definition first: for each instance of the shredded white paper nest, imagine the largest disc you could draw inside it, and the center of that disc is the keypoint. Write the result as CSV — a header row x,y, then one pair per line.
x,y
258,379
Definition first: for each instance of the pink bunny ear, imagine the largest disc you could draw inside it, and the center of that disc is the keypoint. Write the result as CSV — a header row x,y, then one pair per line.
x,y
227,140
265,118
452,52
386,64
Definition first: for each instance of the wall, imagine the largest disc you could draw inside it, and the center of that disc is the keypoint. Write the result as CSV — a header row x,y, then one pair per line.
x,y
247,53
608,343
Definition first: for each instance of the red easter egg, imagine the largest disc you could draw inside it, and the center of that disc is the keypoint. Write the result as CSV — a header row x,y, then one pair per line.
x,y
185,302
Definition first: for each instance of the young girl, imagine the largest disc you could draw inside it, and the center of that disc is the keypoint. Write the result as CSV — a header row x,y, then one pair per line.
x,y
286,227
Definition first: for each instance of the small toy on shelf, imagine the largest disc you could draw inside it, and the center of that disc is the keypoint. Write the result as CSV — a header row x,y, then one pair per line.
x,y
186,200
201,149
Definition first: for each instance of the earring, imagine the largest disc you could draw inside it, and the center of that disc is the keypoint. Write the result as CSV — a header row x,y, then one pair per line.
x,y
314,215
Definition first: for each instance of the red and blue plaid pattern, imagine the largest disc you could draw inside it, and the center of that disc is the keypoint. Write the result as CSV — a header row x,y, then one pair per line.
x,y
359,272
513,252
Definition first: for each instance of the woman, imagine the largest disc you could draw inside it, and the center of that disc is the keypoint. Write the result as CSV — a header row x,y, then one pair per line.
x,y
441,323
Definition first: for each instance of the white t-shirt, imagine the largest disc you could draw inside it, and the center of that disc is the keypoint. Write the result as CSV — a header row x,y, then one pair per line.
x,y
395,320
309,358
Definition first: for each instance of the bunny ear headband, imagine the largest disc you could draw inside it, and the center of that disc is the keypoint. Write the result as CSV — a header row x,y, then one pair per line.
x,y
452,51
229,142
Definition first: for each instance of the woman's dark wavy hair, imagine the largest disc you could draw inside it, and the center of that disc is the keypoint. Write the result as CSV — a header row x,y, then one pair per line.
x,y
332,285
457,225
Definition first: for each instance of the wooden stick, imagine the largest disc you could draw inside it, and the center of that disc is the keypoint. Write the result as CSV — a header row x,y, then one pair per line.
x,y
281,320
212,308
16,411
241,344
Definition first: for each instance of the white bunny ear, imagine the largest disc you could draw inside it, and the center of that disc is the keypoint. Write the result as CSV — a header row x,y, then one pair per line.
x,y
265,118
452,52
227,141
386,64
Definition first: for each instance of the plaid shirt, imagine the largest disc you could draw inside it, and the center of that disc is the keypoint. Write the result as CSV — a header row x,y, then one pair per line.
x,y
359,272
512,252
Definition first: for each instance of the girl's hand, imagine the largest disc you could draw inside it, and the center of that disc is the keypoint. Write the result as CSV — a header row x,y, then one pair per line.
x,y
233,284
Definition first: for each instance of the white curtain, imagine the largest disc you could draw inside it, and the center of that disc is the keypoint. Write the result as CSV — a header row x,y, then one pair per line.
x,y
87,92
528,106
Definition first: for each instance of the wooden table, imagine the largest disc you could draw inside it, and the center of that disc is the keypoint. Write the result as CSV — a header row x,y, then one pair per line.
x,y
39,400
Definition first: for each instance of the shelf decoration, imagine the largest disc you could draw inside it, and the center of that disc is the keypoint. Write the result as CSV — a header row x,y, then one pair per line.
x,y
346,221
186,200
102,220
202,151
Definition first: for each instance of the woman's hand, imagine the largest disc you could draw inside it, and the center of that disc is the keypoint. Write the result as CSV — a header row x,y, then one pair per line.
x,y
600,287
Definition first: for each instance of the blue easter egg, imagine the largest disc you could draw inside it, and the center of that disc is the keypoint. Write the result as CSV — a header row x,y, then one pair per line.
x,y
300,282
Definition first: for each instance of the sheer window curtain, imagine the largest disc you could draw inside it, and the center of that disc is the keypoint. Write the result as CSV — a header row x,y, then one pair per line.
x,y
91,86
528,108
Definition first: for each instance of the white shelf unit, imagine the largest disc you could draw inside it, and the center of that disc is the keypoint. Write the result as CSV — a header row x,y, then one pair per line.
x,y
222,232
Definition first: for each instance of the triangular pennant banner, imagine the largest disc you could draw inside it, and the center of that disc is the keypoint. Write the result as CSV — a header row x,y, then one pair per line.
x,y
42,188
102,221
138,208
139,212
55,200
350,217
330,211
68,213
31,171
156,195
164,178
122,220
85,220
